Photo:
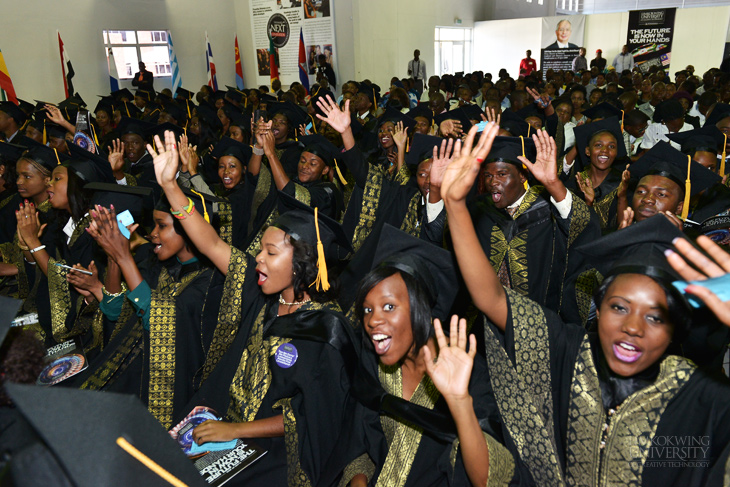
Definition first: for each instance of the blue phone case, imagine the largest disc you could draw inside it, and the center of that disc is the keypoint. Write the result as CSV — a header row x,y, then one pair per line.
x,y
718,285
124,219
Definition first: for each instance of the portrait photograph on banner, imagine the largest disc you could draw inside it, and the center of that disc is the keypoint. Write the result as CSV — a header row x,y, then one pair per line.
x,y
561,39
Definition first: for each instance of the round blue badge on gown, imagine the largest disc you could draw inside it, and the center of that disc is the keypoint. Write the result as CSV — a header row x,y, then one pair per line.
x,y
286,355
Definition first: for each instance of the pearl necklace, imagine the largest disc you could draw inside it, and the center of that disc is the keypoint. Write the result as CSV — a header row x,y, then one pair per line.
x,y
295,303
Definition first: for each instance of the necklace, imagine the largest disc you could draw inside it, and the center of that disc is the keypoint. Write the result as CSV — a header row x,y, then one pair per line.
x,y
295,303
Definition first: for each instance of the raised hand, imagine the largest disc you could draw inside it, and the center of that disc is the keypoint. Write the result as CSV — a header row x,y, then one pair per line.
x,y
54,114
116,155
442,157
623,186
86,285
586,185
451,371
336,118
460,174
627,218
714,266
545,167
105,230
450,127
29,225
184,153
493,116
303,130
262,128
400,136
165,159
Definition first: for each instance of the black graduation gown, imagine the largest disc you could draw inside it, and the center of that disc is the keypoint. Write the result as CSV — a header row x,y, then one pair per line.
x,y
249,383
9,204
536,243
183,317
605,202
542,364
321,194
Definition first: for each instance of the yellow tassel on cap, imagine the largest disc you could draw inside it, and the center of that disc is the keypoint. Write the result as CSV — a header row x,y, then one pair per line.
x,y
205,208
57,158
94,133
339,174
127,109
687,190
522,139
322,279
45,135
724,154
187,105
622,121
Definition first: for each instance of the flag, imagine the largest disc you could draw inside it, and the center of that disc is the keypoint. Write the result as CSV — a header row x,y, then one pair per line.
x,y
273,60
303,75
210,64
6,84
113,75
239,68
174,68
66,68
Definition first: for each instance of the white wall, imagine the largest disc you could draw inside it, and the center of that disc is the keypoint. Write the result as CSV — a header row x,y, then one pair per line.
x,y
502,44
518,9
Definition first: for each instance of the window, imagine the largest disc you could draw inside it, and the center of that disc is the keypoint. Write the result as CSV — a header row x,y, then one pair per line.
x,y
130,47
452,50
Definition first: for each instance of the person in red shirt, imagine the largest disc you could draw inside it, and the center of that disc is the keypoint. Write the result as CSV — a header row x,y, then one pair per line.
x,y
527,65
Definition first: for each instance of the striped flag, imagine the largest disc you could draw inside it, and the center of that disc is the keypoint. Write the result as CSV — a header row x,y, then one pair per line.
x,y
210,64
113,75
174,68
66,68
7,92
303,75
273,60
239,68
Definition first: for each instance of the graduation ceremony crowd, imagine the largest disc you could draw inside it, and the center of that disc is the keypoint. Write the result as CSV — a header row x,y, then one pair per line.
x,y
482,283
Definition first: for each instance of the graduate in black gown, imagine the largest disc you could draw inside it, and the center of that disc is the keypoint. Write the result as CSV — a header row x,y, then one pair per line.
x,y
597,409
285,379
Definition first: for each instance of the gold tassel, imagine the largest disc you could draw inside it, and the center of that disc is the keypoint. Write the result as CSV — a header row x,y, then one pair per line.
x,y
127,108
187,105
622,121
45,136
523,142
724,154
687,190
339,174
93,131
322,279
205,208
57,158
522,139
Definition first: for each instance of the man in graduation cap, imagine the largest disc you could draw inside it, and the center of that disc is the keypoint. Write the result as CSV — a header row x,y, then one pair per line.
x,y
668,119
286,118
12,119
132,134
528,231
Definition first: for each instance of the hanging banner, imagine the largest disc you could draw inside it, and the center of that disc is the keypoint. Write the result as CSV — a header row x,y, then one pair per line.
x,y
278,22
561,39
649,38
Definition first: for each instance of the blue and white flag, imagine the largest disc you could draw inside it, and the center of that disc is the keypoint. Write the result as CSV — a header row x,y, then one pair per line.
x,y
113,76
174,68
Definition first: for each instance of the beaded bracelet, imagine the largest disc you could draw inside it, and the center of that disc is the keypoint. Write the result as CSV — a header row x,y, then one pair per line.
x,y
186,211
114,295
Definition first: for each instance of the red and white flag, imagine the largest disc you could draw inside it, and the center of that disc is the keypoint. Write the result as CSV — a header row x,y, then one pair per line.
x,y
66,68
210,64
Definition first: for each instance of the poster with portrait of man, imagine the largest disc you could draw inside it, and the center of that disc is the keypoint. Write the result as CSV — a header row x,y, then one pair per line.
x,y
563,32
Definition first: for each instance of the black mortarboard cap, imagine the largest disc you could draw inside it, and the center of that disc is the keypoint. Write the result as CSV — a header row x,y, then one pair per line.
x,y
10,153
665,160
91,168
530,111
268,99
123,93
161,128
27,107
61,416
74,100
184,94
719,111
239,119
208,115
394,116
321,95
123,197
55,130
584,133
426,262
602,110
297,220
707,138
8,310
293,113
128,109
105,104
133,126
515,125
320,146
371,92
508,149
176,111
421,111
45,156
151,112
422,148
668,110
14,112
473,112
233,94
230,147
145,94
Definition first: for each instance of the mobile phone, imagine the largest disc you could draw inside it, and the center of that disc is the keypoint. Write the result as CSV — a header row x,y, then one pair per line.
x,y
73,269
125,219
481,126
259,114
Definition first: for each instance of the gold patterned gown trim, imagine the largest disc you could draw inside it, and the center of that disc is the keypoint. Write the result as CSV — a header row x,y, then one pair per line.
x,y
523,390
403,438
632,428
302,194
412,220
5,201
515,251
162,344
60,299
296,477
263,188
102,376
403,176
585,284
225,215
602,208
368,210
229,315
